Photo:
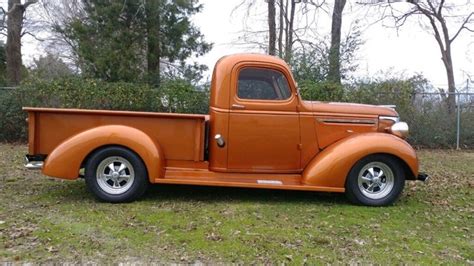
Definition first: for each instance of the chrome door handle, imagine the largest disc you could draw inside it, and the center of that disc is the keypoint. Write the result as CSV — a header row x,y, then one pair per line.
x,y
238,106
220,140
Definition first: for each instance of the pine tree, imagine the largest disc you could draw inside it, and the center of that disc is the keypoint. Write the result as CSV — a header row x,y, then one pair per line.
x,y
135,40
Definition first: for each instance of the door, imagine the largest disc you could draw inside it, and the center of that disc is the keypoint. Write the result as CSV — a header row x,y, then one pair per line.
x,y
264,132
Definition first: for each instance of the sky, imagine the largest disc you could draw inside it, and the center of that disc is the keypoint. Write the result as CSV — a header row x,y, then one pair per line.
x,y
410,50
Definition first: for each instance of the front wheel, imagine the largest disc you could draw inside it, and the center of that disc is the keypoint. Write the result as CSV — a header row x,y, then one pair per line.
x,y
376,180
116,174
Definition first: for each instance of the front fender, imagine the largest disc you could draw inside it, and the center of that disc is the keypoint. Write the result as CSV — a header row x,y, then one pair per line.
x,y
66,159
330,167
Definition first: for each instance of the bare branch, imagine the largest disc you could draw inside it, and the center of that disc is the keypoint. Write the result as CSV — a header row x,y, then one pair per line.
x,y
440,8
29,2
23,6
463,26
32,35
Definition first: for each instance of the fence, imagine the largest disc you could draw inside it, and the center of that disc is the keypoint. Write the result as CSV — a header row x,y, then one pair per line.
x,y
464,104
431,125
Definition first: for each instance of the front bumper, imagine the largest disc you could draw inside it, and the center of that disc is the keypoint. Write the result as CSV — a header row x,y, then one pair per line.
x,y
423,177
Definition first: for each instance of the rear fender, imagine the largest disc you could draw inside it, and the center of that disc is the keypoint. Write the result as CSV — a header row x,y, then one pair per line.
x,y
331,166
66,159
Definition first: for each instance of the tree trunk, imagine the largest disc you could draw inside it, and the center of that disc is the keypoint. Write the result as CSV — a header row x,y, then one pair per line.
x,y
271,28
13,46
441,34
280,30
448,64
334,74
153,42
289,32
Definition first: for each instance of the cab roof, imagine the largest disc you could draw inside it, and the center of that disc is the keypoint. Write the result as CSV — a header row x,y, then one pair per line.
x,y
220,85
236,58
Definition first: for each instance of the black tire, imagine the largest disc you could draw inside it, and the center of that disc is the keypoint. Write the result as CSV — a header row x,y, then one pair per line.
x,y
104,190
358,190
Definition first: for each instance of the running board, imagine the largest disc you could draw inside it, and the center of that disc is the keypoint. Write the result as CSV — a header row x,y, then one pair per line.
x,y
267,181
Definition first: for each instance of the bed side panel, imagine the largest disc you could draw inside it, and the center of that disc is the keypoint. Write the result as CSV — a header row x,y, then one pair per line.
x,y
179,137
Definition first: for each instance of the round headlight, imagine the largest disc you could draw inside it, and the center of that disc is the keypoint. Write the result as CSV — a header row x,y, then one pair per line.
x,y
399,129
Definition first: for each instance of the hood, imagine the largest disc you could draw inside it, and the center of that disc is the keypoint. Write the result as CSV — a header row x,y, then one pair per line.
x,y
348,108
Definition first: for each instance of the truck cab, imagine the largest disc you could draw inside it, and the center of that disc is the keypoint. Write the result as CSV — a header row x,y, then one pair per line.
x,y
255,100
259,133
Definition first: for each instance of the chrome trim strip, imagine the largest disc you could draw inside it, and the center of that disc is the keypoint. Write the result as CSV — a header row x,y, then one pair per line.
x,y
269,182
395,119
348,121
393,106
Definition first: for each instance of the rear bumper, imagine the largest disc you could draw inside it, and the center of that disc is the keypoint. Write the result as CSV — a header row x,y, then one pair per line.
x,y
423,177
34,162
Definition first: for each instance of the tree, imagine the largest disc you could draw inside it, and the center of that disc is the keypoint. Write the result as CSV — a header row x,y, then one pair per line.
x,y
289,24
108,40
55,15
153,40
49,67
171,36
15,17
334,74
311,67
134,40
3,65
280,29
289,12
438,16
271,28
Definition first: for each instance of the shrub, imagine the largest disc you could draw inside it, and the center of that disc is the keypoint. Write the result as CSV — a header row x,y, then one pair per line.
x,y
430,123
321,91
179,96
12,119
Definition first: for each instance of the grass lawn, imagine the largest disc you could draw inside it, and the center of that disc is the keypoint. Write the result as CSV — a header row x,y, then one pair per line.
x,y
49,220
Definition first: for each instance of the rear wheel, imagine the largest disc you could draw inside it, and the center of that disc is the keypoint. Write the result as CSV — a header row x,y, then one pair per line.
x,y
116,174
376,180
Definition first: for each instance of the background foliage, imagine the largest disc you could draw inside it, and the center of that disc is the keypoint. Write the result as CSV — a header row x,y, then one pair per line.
x,y
430,123
175,95
135,41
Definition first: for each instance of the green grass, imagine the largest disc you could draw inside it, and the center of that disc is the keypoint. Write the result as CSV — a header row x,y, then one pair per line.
x,y
49,220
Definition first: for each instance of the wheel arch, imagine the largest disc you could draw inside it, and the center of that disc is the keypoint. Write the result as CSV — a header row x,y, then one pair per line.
x,y
330,167
409,175
89,155
405,167
67,158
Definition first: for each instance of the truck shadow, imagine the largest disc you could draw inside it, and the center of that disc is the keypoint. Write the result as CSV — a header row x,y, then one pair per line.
x,y
76,191
223,194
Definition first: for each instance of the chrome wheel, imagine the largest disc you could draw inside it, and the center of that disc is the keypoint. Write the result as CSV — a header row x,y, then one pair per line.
x,y
375,180
115,175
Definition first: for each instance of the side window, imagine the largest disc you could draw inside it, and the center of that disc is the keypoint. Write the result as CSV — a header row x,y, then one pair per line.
x,y
262,84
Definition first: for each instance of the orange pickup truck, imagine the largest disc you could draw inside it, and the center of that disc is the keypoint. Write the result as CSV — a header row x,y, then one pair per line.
x,y
259,133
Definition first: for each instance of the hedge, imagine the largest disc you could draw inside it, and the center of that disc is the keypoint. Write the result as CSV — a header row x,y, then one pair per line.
x,y
430,124
172,96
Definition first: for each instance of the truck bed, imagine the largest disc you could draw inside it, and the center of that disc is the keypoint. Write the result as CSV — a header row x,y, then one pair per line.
x,y
181,136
